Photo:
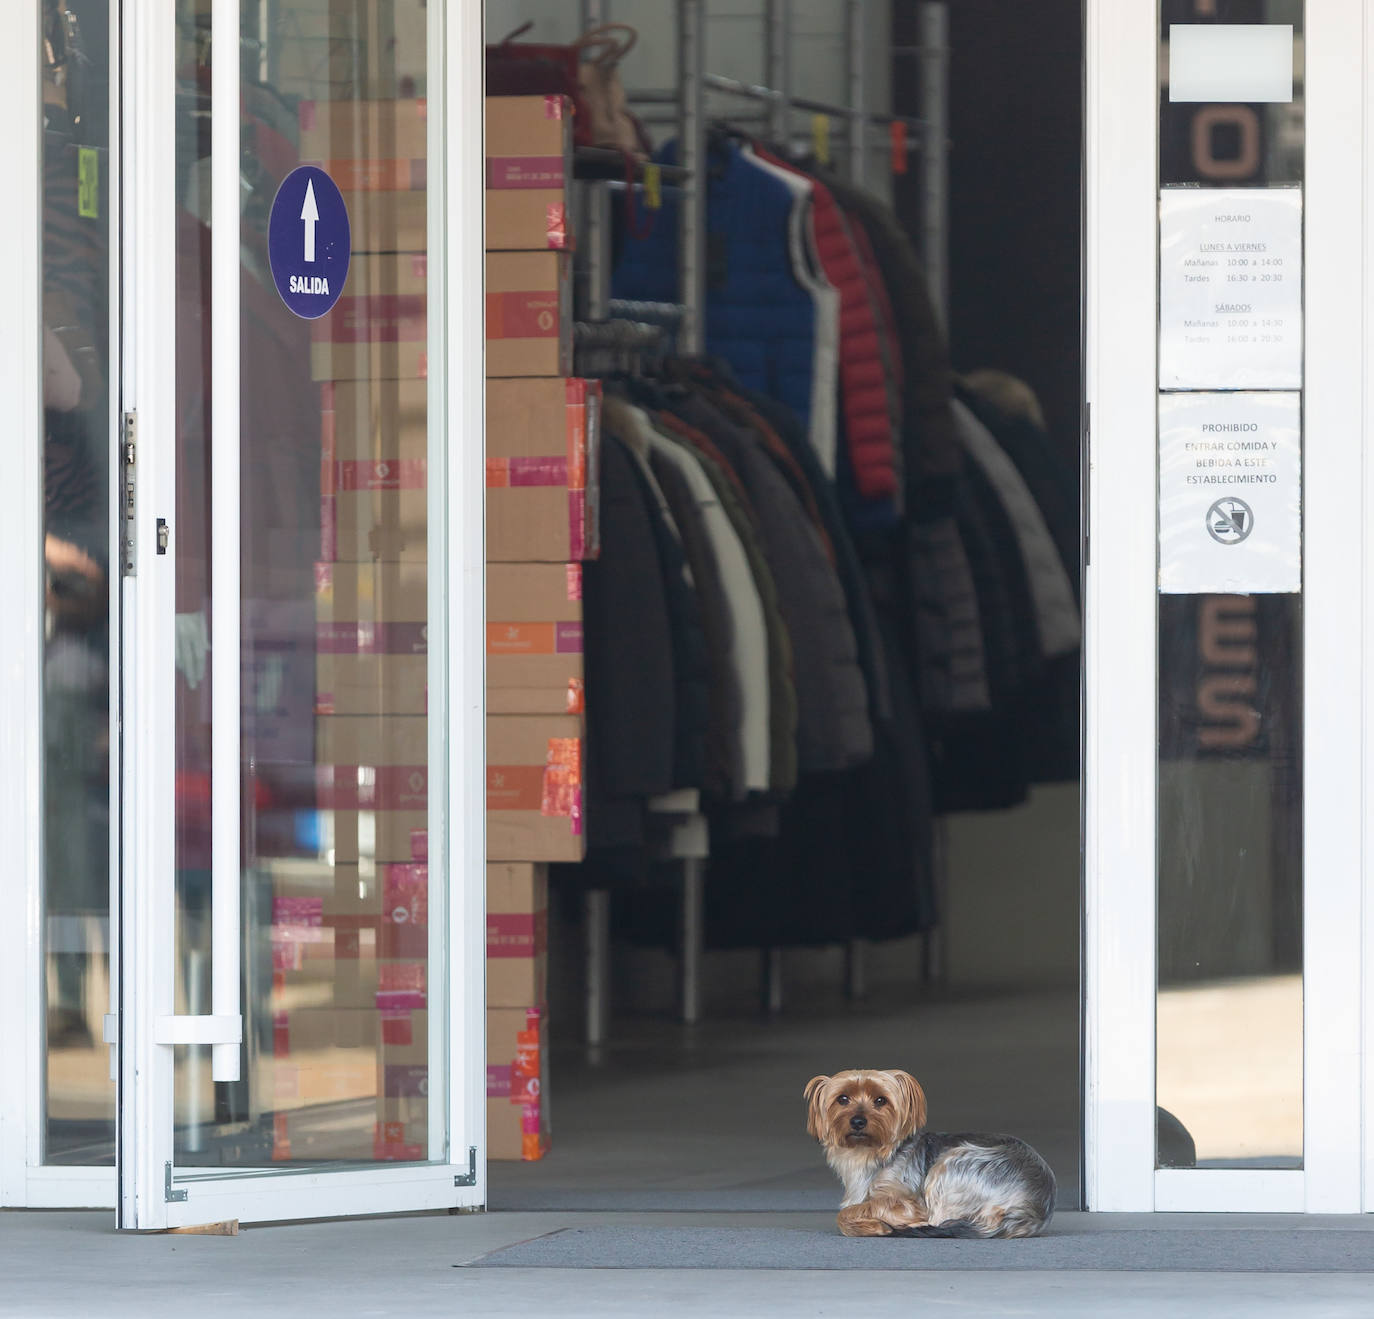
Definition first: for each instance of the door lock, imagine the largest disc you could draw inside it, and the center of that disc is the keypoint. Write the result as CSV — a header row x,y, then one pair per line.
x,y
162,534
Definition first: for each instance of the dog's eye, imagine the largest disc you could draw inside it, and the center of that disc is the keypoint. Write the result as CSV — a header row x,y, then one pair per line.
x,y
879,1102
843,1099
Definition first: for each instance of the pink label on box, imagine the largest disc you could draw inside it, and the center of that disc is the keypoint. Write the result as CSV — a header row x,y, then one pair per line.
x,y
405,894
383,788
372,638
514,172
530,1123
574,580
498,1081
382,474
374,318
329,528
397,1027
389,1000
419,845
513,934
575,815
406,1081
537,471
577,524
567,639
297,911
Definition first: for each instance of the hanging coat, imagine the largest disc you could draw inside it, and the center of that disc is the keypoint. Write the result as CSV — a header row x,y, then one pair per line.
x,y
870,436
806,266
833,729
1056,610
757,316
783,699
732,615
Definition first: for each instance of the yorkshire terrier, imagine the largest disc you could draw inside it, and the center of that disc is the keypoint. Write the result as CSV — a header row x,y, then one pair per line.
x,y
901,1180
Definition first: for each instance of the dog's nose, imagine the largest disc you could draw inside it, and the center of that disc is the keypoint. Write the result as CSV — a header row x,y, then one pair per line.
x,y
858,1122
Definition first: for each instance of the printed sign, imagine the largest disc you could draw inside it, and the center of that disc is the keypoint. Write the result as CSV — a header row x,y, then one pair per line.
x,y
1230,288
1230,493
308,242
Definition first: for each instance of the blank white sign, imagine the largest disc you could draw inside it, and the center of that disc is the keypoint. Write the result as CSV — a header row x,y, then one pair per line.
x,y
1230,62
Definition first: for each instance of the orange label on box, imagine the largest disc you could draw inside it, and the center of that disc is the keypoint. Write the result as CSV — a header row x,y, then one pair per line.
x,y
515,787
522,315
534,638
364,175
562,786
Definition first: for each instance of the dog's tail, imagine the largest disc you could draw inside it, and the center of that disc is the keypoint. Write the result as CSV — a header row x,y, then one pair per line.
x,y
953,1227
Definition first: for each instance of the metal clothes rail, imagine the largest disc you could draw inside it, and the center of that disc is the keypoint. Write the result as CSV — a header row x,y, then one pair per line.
x,y
930,133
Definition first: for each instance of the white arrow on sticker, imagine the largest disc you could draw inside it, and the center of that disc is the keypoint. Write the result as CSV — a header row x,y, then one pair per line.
x,y
310,214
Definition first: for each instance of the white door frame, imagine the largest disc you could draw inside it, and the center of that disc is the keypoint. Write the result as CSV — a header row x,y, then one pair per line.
x,y
1121,643
452,1177
24,1180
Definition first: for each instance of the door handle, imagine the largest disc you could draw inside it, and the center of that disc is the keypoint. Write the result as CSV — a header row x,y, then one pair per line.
x,y
221,1031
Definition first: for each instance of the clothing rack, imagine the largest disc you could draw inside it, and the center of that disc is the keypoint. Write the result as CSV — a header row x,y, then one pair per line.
x,y
930,143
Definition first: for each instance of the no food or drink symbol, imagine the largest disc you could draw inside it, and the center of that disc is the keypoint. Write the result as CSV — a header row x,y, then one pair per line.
x,y
1230,521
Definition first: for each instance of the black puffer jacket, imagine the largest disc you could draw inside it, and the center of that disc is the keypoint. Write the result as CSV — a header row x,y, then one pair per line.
x,y
833,727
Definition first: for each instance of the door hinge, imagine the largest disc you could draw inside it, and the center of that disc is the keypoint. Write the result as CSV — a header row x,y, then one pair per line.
x,y
128,453
464,1179
173,1197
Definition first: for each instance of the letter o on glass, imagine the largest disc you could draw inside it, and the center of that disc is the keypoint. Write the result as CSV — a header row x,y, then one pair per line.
x,y
1246,161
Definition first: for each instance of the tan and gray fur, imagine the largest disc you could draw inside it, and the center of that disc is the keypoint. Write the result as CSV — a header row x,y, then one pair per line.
x,y
902,1180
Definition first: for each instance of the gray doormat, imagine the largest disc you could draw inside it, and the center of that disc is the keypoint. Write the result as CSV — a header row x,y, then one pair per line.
x,y
1081,1247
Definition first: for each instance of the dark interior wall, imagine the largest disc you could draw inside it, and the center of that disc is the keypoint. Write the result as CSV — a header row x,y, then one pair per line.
x,y
1015,166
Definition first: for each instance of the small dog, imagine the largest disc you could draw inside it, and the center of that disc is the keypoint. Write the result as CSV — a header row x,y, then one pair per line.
x,y
901,1180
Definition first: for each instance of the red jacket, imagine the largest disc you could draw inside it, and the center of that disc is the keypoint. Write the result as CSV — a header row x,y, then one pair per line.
x,y
868,425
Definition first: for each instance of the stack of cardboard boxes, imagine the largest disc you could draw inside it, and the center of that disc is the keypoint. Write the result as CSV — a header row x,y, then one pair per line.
x,y
372,735
542,523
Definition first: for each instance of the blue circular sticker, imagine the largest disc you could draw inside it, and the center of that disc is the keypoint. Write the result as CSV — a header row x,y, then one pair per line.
x,y
308,242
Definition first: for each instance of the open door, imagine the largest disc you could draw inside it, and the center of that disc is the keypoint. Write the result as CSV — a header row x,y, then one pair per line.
x,y
301,926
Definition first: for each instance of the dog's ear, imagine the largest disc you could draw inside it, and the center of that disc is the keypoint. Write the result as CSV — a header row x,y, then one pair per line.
x,y
913,1100
815,1105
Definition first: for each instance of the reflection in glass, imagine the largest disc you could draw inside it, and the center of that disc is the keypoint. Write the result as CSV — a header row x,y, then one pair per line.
x,y
1229,1009
79,1094
333,448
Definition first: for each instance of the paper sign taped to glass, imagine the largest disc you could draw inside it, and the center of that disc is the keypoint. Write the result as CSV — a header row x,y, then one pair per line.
x,y
1230,493
1230,288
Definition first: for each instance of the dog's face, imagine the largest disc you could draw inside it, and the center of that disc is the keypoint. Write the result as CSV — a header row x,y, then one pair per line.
x,y
865,1114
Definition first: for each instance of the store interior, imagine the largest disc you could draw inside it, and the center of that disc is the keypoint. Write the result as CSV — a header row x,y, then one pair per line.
x,y
907,895
826,780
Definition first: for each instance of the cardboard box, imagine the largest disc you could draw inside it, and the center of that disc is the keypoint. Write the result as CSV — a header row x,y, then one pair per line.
x,y
517,934
528,166
388,220
379,328
340,49
379,836
543,498
374,417
371,638
390,597
394,748
529,314
534,638
517,1084
376,509
371,684
363,130
534,788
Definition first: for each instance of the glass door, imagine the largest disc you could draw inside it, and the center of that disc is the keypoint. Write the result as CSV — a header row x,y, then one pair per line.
x,y
1225,382
300,1014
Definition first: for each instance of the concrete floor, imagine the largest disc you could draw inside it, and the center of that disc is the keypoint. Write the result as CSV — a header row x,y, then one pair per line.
x,y
59,1265
666,1117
